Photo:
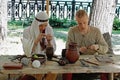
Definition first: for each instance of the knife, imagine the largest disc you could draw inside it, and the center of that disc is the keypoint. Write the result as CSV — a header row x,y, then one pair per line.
x,y
91,62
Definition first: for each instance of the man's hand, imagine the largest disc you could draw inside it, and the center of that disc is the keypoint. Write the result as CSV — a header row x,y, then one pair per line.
x,y
94,47
83,49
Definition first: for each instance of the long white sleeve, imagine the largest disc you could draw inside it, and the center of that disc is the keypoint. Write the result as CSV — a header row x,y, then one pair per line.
x,y
27,42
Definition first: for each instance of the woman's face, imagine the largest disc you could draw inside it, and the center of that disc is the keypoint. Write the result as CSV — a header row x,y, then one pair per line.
x,y
43,26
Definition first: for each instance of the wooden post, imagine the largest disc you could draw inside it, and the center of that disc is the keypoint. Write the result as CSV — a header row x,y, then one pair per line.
x,y
47,7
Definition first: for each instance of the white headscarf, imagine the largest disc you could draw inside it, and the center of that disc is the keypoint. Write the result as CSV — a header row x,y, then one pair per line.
x,y
40,18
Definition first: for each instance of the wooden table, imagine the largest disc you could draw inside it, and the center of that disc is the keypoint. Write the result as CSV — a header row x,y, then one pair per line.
x,y
53,67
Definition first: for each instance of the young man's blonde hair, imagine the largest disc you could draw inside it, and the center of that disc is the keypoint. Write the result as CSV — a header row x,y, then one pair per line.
x,y
81,13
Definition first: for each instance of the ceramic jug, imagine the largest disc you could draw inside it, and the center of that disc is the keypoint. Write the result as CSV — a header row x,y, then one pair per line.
x,y
49,50
71,53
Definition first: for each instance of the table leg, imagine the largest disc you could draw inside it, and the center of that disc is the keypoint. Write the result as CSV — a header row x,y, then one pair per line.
x,y
51,76
8,76
38,76
111,76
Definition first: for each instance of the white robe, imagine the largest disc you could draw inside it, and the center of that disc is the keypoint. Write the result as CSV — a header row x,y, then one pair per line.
x,y
29,36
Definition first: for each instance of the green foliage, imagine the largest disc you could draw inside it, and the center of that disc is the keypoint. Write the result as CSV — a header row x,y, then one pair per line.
x,y
73,23
116,23
15,24
115,31
18,24
61,23
55,22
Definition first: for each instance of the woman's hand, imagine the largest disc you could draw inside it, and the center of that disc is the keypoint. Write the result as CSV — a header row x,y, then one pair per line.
x,y
48,37
40,36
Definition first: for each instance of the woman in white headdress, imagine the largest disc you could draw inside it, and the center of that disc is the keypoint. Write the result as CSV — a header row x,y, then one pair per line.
x,y
33,35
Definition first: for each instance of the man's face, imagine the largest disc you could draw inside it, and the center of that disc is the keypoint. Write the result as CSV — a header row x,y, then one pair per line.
x,y
82,22
43,26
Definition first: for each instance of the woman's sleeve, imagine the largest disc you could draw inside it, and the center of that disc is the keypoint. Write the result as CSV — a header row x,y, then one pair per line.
x,y
50,31
27,42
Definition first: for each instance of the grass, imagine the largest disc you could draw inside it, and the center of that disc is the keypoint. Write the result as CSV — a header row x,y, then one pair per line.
x,y
60,33
60,29
116,32
14,28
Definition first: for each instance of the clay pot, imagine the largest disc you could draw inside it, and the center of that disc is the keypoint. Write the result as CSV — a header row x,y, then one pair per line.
x,y
71,53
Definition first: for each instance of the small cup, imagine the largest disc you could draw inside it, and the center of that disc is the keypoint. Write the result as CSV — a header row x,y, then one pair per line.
x,y
49,53
63,52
